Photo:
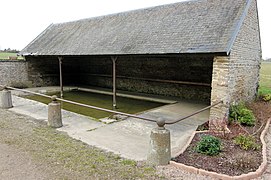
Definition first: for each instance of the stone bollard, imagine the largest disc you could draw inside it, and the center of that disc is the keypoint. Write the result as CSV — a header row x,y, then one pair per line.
x,y
54,114
5,99
159,150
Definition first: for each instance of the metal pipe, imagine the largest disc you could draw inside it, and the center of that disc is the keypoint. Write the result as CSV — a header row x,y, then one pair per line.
x,y
114,59
117,112
195,113
84,105
60,76
26,91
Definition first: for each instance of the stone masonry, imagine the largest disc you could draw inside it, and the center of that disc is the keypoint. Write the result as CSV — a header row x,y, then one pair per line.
x,y
14,73
132,72
44,71
235,77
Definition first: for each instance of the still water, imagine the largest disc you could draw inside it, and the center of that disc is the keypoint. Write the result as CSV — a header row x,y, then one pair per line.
x,y
126,105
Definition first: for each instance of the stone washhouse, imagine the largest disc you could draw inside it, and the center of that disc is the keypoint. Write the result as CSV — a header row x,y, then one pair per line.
x,y
202,50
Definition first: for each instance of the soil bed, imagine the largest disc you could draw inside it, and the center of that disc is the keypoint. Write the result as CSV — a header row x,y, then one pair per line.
x,y
232,160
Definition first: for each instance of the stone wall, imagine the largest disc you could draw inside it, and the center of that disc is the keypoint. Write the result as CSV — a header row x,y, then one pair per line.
x,y
43,71
14,73
158,74
236,77
246,59
220,91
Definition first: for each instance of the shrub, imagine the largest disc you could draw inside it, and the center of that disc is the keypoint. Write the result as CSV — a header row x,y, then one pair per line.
x,y
242,115
264,94
235,111
266,97
246,142
209,145
247,117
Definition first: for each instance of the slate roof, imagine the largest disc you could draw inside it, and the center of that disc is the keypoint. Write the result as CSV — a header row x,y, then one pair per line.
x,y
197,26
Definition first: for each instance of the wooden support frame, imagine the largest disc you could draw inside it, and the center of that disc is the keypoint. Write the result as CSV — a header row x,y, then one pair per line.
x,y
114,59
60,59
154,80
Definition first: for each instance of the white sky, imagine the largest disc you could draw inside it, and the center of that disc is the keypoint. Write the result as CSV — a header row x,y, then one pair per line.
x,y
22,20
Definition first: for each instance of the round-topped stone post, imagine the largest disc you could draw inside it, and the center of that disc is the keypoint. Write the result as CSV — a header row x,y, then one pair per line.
x,y
54,113
159,150
5,99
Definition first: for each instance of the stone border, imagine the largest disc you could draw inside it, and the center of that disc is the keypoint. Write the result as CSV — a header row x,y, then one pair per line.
x,y
250,175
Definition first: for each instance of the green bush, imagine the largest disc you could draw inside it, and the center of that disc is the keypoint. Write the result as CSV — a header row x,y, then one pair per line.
x,y
246,142
242,115
267,97
209,145
264,94
235,111
247,117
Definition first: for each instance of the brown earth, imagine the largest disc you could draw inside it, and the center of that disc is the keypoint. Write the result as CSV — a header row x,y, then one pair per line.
x,y
232,160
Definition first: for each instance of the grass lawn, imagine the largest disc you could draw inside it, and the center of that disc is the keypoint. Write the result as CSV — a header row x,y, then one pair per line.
x,y
69,158
265,78
5,55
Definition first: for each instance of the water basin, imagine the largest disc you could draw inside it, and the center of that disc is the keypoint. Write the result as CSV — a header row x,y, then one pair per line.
x,y
126,105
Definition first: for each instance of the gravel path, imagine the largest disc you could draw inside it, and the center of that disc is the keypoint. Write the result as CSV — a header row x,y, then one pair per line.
x,y
16,157
16,162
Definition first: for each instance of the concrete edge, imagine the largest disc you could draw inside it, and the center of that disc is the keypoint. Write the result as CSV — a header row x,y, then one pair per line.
x,y
188,143
138,97
250,175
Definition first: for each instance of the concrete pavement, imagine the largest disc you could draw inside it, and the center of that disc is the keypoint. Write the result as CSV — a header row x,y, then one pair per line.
x,y
128,138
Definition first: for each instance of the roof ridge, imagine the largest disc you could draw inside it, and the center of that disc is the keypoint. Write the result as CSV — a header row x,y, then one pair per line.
x,y
129,11
238,27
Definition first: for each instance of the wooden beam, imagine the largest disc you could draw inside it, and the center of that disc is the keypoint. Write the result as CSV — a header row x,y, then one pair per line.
x,y
114,59
60,76
154,80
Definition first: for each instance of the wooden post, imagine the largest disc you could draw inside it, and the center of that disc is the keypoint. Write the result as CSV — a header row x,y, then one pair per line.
x,y
114,59
60,76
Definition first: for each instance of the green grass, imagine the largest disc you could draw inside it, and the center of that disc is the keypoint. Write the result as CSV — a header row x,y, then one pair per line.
x,y
5,55
265,78
70,158
80,157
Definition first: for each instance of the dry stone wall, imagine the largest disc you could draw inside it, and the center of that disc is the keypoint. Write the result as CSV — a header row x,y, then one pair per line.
x,y
136,73
43,71
245,59
236,77
139,74
14,73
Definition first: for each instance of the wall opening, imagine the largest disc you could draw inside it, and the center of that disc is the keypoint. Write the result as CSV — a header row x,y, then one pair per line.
x,y
187,77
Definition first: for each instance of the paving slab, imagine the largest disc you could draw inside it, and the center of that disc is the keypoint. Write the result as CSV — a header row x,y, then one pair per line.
x,y
128,138
72,122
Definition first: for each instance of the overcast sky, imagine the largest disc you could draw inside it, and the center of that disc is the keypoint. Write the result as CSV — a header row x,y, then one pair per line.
x,y
22,20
